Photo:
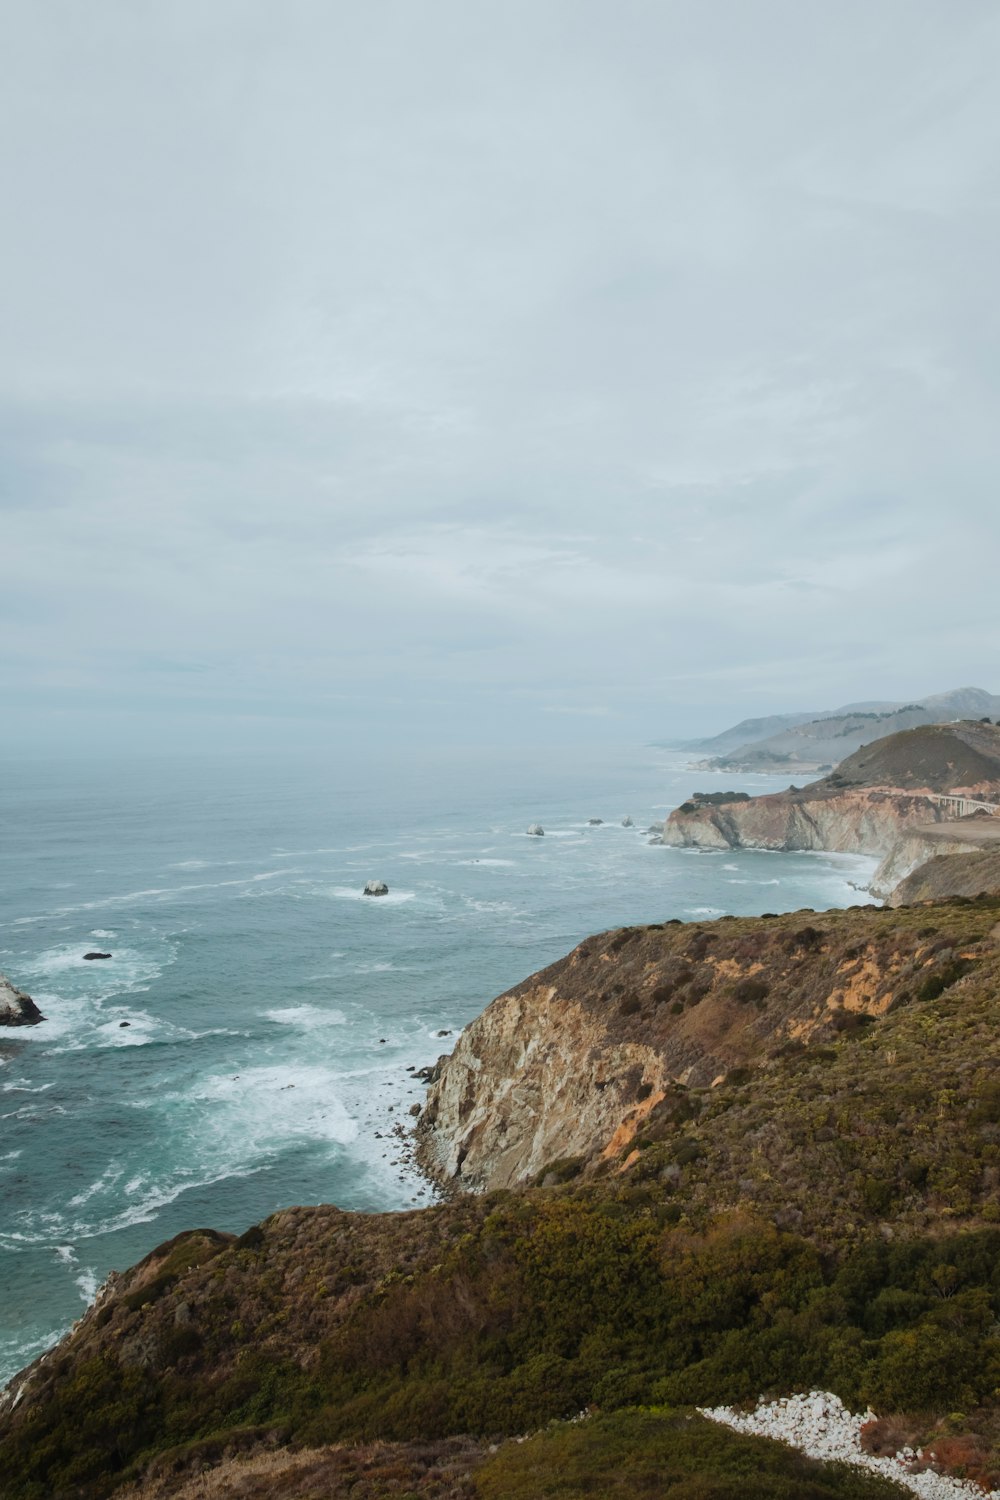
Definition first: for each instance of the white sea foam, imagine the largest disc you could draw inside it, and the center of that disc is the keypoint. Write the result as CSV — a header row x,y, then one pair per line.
x,y
151,893
88,1281
128,970
309,1017
351,893
66,1254
33,1112
483,861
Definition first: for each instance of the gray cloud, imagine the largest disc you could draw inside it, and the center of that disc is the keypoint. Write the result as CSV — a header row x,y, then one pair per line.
x,y
535,364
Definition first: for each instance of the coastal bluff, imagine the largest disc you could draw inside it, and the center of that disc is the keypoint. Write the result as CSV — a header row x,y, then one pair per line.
x,y
708,1240
572,1069
874,798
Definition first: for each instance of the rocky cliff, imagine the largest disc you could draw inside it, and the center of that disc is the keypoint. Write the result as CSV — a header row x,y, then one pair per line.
x,y
923,842
564,1071
953,869
855,821
17,1008
865,806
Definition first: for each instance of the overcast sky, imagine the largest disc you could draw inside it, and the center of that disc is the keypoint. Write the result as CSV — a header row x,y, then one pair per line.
x,y
508,370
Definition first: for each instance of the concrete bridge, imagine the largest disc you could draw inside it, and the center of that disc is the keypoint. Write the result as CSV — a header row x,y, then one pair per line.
x,y
961,807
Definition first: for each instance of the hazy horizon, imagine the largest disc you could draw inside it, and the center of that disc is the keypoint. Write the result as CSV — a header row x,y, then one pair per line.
x,y
530,375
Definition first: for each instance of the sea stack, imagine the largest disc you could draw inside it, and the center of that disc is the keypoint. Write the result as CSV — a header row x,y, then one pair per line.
x,y
535,830
17,1008
375,888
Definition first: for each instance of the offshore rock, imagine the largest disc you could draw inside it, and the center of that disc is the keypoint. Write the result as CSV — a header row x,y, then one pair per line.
x,y
627,821
375,888
535,830
17,1008
96,955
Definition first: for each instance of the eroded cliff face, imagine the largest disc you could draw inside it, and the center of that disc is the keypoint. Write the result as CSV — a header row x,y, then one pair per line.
x,y
935,863
536,1079
864,807
856,821
914,848
563,1072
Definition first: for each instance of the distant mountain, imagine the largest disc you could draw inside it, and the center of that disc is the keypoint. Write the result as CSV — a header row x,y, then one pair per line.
x,y
822,741
746,732
749,731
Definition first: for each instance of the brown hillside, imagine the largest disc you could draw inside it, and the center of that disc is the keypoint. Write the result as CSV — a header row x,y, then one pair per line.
x,y
598,1043
940,757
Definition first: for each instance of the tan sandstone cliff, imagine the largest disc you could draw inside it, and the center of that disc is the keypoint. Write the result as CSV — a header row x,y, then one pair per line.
x,y
854,821
562,1072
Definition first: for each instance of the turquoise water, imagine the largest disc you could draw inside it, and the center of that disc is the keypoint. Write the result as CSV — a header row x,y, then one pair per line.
x,y
272,1010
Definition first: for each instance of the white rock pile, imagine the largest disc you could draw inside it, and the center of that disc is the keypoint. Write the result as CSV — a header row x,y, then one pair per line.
x,y
821,1426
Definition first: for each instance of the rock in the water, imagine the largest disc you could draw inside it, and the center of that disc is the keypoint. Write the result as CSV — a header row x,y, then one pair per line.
x,y
17,1008
627,822
535,830
415,1109
97,955
124,1023
375,888
594,822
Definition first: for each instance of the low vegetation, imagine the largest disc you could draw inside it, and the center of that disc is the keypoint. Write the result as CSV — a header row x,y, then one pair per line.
x,y
828,1216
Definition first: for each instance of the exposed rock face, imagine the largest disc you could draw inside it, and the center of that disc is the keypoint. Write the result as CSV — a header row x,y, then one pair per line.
x,y
864,807
375,888
928,841
851,822
17,1008
571,1062
944,867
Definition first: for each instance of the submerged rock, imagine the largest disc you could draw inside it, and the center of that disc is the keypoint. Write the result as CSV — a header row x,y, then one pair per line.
x,y
17,1008
535,830
375,888
97,955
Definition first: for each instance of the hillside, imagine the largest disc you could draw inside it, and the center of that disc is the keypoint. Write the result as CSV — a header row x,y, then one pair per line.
x,y
937,757
826,740
608,1042
827,1211
951,874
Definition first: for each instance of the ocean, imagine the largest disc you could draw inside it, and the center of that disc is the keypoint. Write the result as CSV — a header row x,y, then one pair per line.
x,y
272,1010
